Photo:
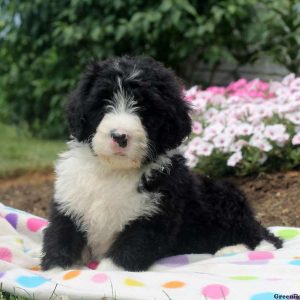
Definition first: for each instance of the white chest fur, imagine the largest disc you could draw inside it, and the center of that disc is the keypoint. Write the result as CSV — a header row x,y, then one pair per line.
x,y
101,201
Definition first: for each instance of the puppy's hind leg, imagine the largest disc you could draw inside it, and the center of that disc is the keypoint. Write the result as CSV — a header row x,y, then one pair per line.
x,y
261,239
269,242
251,236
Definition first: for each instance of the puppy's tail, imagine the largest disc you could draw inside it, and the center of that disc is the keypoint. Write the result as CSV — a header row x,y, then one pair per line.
x,y
271,238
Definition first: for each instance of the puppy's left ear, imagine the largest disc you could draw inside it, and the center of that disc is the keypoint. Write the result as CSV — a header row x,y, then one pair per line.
x,y
185,122
179,124
75,115
75,107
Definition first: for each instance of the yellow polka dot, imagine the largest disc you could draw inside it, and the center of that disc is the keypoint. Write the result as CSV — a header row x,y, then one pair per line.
x,y
71,274
132,282
296,257
19,241
35,268
174,284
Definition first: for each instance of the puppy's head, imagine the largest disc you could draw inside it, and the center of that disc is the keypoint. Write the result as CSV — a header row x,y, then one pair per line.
x,y
129,110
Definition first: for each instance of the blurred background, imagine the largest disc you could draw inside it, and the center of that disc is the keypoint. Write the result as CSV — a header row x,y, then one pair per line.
x,y
45,45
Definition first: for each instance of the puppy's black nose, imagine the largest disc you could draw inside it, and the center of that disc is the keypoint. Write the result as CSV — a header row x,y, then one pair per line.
x,y
119,138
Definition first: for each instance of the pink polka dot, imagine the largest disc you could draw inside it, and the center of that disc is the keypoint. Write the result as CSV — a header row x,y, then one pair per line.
x,y
215,291
35,224
93,264
99,278
5,254
257,255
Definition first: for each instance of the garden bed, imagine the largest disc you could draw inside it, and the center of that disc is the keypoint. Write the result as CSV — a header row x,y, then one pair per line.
x,y
275,197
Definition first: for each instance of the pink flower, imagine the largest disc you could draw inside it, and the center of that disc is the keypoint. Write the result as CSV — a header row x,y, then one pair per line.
x,y
245,129
193,144
296,97
260,143
211,112
237,146
244,109
294,117
241,93
198,105
192,160
191,94
236,85
234,99
256,94
231,130
259,112
216,90
291,107
217,99
274,86
296,139
234,159
295,84
276,132
222,141
212,130
263,86
283,92
197,127
287,80
204,149
199,147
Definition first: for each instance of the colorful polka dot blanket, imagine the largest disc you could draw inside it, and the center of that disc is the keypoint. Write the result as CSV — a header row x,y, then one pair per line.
x,y
253,275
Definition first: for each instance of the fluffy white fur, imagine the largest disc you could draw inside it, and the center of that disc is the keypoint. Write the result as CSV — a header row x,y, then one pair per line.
x,y
106,264
232,250
137,140
122,102
121,118
106,198
239,248
265,246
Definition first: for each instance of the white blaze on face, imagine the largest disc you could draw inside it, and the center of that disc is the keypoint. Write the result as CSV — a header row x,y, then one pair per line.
x,y
121,118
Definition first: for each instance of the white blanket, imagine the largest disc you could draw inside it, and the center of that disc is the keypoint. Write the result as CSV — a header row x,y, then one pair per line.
x,y
254,275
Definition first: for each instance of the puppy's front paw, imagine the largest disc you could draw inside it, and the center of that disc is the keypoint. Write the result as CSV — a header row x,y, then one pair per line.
x,y
107,264
239,248
53,272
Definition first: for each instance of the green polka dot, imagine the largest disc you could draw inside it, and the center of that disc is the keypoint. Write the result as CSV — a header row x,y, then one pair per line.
x,y
244,277
287,234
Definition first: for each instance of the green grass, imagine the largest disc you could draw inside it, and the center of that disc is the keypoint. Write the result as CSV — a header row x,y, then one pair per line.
x,y
19,152
7,296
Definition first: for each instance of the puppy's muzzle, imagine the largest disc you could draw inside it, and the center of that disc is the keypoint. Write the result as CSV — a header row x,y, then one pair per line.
x,y
120,138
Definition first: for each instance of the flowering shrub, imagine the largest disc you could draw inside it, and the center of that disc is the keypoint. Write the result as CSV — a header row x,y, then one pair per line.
x,y
246,127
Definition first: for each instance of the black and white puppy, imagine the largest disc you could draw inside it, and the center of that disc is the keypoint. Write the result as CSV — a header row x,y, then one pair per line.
x,y
123,193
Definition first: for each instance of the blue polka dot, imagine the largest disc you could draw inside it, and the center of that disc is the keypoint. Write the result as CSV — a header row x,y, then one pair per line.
x,y
295,262
31,281
263,296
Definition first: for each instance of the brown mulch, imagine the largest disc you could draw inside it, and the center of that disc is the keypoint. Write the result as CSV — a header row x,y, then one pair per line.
x,y
275,197
30,192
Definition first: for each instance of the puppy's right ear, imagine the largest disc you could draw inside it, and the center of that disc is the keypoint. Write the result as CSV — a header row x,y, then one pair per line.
x,y
75,107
